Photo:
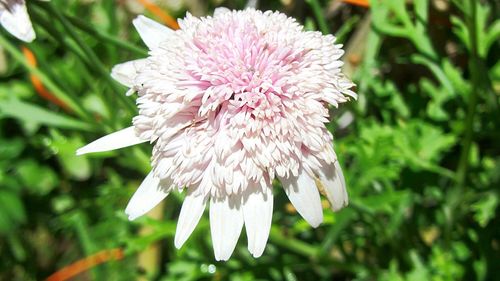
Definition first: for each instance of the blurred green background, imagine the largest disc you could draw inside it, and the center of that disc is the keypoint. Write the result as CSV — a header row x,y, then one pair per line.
x,y
420,150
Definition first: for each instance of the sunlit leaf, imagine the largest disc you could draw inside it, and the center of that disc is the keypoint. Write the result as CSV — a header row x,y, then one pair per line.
x,y
34,114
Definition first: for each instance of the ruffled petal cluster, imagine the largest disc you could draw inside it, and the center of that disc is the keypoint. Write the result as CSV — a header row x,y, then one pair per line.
x,y
232,102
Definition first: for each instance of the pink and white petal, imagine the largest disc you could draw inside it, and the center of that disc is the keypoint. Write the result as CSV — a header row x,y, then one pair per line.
x,y
17,22
119,139
333,182
152,32
258,213
226,222
191,212
304,195
126,72
148,195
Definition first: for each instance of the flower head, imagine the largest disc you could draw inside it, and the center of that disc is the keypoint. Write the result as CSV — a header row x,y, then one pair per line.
x,y
14,18
232,102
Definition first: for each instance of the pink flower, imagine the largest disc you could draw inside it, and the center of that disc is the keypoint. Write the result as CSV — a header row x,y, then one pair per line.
x,y
232,102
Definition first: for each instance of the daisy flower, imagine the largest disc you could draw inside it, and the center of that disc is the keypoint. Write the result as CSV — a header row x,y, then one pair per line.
x,y
232,102
15,19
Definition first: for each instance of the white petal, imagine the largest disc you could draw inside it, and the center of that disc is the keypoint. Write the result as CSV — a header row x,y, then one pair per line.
x,y
125,73
333,182
123,138
148,195
226,221
258,213
191,212
304,195
152,32
220,10
252,4
15,20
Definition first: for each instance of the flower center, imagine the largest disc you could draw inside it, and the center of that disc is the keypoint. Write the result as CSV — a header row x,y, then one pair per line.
x,y
238,64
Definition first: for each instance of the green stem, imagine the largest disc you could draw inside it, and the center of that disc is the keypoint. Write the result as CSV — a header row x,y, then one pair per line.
x,y
92,57
47,82
318,13
475,71
41,18
81,229
342,220
106,37
292,244
457,195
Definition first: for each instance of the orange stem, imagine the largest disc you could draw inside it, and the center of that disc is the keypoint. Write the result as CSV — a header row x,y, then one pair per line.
x,y
37,83
85,264
160,13
361,3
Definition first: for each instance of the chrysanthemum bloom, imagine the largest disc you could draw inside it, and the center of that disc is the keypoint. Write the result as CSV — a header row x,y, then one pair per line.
x,y
14,18
232,102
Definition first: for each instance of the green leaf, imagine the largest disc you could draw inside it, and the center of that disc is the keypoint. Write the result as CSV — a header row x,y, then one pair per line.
x,y
422,145
399,105
78,167
33,114
455,76
399,9
39,179
422,13
419,270
436,69
12,211
485,208
17,247
386,202
11,148
96,105
461,31
382,22
492,36
482,15
19,89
